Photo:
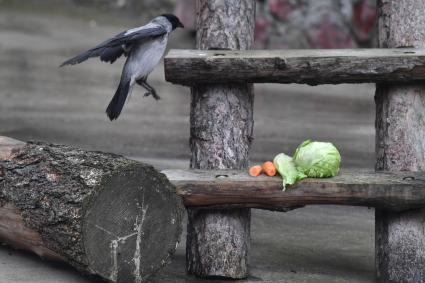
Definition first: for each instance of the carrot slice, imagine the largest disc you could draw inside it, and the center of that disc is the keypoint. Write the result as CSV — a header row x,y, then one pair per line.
x,y
269,168
254,171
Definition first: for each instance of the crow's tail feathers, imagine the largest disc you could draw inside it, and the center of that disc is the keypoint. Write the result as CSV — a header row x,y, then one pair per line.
x,y
80,58
106,54
117,103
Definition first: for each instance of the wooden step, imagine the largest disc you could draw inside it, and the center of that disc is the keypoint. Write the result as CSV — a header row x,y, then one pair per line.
x,y
313,66
387,190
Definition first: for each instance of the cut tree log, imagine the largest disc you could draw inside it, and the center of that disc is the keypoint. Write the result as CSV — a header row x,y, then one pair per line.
x,y
106,215
400,146
313,67
395,191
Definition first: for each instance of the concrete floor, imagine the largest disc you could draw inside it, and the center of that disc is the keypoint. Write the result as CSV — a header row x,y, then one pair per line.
x,y
41,102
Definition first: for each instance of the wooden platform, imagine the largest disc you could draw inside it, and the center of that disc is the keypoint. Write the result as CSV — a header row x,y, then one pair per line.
x,y
313,67
385,190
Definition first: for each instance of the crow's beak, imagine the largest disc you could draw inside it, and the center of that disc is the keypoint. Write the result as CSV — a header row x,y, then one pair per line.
x,y
180,25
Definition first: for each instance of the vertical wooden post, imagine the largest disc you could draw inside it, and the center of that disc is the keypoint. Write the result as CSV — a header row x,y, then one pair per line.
x,y
400,146
221,128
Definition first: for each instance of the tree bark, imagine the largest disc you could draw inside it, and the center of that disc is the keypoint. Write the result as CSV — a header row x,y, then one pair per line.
x,y
106,215
400,146
220,137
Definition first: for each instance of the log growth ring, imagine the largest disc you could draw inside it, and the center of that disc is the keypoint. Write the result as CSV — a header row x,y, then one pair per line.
x,y
128,246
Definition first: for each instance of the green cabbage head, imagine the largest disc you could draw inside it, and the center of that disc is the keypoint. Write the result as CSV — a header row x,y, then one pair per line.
x,y
317,159
286,167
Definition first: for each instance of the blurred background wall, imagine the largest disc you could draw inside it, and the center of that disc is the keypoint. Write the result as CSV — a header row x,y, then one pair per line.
x,y
316,24
307,23
279,23
132,7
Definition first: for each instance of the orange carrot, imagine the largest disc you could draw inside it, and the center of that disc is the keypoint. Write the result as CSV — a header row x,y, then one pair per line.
x,y
269,168
254,171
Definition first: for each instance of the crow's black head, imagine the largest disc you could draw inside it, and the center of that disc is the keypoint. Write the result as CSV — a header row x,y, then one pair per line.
x,y
175,22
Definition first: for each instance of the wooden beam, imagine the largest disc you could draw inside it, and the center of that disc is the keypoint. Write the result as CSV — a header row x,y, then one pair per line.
x,y
313,67
393,191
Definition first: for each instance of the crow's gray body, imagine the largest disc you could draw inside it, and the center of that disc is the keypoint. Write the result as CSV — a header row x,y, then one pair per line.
x,y
143,57
144,46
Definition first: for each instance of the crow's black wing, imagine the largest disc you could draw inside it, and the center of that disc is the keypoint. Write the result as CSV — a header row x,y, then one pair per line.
x,y
111,54
113,48
106,52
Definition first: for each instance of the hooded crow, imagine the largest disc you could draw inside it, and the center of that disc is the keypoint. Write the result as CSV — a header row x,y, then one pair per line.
x,y
143,46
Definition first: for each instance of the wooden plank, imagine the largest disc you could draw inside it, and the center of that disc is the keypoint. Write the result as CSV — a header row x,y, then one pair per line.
x,y
394,191
313,67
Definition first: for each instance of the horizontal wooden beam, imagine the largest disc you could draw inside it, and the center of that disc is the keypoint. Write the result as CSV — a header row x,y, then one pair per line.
x,y
312,66
392,191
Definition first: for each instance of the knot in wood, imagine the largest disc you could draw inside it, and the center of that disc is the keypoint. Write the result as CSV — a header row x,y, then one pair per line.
x,y
280,63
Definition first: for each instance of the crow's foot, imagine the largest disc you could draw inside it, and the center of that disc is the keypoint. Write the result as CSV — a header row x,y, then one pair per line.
x,y
154,95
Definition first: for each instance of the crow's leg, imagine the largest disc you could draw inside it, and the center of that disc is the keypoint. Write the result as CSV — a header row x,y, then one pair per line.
x,y
142,82
150,89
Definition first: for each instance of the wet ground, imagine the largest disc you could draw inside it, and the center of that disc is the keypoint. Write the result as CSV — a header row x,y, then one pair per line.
x,y
39,101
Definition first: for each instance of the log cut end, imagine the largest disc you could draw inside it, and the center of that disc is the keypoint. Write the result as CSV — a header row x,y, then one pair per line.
x,y
132,225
